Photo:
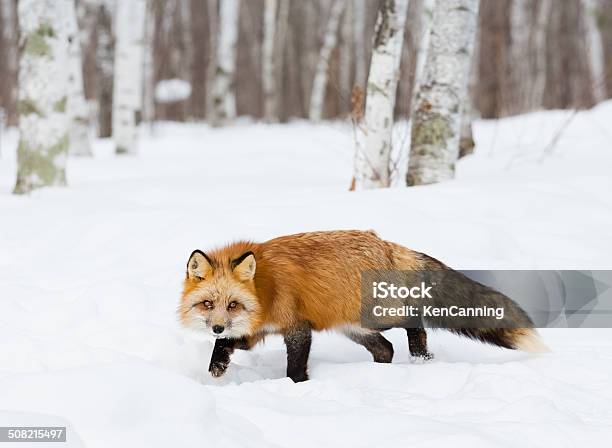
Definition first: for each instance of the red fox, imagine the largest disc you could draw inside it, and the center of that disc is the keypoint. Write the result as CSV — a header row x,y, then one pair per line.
x,y
294,284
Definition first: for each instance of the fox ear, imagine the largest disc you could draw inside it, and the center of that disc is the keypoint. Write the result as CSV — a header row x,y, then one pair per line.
x,y
244,266
198,265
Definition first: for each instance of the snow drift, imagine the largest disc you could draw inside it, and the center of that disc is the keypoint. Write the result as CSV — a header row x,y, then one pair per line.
x,y
90,275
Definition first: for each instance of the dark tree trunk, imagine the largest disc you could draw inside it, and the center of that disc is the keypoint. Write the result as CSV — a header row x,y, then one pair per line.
x,y
106,56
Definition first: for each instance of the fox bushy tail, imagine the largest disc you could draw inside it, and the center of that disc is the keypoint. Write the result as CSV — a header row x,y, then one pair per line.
x,y
515,330
524,339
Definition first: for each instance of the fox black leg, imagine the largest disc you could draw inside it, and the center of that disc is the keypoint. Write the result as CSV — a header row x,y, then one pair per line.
x,y
221,355
298,340
380,348
417,343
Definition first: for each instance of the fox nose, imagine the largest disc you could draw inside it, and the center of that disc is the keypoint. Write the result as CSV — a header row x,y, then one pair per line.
x,y
218,329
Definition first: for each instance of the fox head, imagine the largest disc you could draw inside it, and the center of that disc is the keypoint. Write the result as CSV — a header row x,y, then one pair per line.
x,y
219,296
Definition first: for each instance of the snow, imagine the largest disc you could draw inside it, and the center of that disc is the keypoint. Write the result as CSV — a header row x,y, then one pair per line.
x,y
90,278
172,90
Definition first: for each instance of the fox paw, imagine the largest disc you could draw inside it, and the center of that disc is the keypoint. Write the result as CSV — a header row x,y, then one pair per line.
x,y
422,357
299,378
217,369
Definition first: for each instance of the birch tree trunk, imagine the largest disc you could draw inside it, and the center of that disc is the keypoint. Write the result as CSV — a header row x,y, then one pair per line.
x,y
595,48
346,49
128,80
373,164
279,53
540,55
359,14
77,106
211,68
9,67
267,75
466,135
105,47
148,104
224,92
425,20
43,83
187,54
441,97
519,29
319,85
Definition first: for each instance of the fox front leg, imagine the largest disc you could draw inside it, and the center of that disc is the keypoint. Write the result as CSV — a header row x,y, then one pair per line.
x,y
298,340
224,348
221,355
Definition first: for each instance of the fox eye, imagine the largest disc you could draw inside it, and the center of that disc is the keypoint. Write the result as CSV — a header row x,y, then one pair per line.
x,y
232,305
208,304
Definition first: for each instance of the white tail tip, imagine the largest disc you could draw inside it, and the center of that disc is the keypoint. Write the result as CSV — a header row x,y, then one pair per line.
x,y
530,342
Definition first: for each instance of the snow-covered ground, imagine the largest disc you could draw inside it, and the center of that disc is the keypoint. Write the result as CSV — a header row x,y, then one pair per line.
x,y
90,278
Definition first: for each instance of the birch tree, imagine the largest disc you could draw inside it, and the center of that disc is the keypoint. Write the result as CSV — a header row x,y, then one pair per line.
x,y
148,61
105,49
224,93
317,97
596,60
77,106
128,79
211,68
359,14
442,95
267,76
519,28
425,19
43,83
539,54
346,48
374,144
279,53
9,67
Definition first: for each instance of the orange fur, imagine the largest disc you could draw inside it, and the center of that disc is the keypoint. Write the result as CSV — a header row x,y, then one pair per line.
x,y
314,277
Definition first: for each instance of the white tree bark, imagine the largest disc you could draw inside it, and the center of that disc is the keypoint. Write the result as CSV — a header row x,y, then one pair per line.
x,y
9,56
346,50
425,21
128,80
279,53
319,85
267,76
466,135
441,98
595,48
148,105
374,145
519,29
211,68
224,93
187,47
77,106
43,83
309,42
540,49
359,14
